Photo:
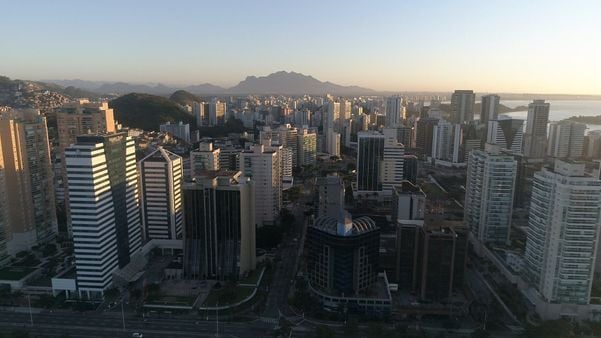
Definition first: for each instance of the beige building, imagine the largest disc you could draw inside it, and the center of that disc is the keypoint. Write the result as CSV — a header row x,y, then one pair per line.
x,y
206,157
28,209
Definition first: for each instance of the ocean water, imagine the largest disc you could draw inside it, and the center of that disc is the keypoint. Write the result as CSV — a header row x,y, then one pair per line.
x,y
560,109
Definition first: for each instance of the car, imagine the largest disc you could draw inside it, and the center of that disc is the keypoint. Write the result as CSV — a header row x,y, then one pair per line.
x,y
137,335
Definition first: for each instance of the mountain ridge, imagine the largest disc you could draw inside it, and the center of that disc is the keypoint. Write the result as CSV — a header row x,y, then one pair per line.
x,y
280,82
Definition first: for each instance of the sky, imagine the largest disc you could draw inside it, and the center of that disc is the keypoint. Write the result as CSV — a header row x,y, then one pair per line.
x,y
534,46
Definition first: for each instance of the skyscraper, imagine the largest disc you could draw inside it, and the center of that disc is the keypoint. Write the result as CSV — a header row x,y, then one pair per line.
x,y
104,207
330,195
507,133
535,137
200,110
566,139
563,230
489,194
394,108
447,140
219,235
263,167
307,147
161,177
462,106
370,153
490,108
29,209
217,110
392,160
424,132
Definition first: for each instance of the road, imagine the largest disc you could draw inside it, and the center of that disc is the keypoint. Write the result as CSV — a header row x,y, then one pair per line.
x,y
98,325
285,273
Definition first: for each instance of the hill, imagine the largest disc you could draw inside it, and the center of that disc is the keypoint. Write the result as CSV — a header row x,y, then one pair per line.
x,y
147,112
184,98
292,83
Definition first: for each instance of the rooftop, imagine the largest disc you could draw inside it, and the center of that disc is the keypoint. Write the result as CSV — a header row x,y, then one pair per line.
x,y
352,227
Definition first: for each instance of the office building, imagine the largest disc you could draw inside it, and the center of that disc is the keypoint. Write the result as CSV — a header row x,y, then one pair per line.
x,y
535,137
392,160
263,167
161,176
566,139
342,254
563,232
424,134
330,195
490,187
507,133
394,111
219,231
104,208
74,119
29,212
405,136
447,141
370,153
462,106
489,108
205,158
178,130
410,168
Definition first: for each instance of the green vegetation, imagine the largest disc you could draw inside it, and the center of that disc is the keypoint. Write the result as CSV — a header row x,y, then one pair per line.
x,y
184,98
14,273
147,112
226,295
230,126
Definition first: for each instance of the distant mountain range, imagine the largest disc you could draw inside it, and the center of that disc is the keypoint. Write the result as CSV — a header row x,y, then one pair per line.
x,y
276,83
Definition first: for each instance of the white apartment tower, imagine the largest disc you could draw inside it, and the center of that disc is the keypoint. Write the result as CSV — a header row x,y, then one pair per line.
x,y
392,160
535,137
566,139
489,194
263,168
104,208
161,176
507,133
205,158
563,230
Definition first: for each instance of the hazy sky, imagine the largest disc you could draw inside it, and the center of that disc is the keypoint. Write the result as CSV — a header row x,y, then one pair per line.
x,y
499,45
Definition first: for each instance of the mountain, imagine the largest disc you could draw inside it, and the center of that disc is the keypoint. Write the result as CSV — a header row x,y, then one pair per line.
x,y
292,83
36,94
147,112
276,83
183,97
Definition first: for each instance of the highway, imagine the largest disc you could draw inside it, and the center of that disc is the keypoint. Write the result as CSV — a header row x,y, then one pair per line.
x,y
98,325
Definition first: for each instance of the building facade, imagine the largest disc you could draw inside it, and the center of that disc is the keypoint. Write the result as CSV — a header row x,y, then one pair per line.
x,y
535,137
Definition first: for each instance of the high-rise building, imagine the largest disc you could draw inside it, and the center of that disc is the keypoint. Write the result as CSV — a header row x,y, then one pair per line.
x,y
490,108
370,153
217,111
200,111
104,207
332,142
489,194
392,160
4,230
410,168
405,136
205,158
331,116
178,130
74,119
27,184
263,167
447,140
408,202
592,145
345,114
307,147
535,137
394,111
342,254
507,133
424,134
380,161
563,232
330,195
219,234
462,106
161,177
566,139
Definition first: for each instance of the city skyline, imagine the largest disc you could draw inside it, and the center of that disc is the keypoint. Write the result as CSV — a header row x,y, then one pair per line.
x,y
389,47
